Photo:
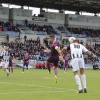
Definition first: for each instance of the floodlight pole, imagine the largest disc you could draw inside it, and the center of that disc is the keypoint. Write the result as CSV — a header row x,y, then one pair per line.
x,y
8,5
28,7
81,12
22,7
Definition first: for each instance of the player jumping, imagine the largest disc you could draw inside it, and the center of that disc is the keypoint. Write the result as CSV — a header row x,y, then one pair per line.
x,y
55,56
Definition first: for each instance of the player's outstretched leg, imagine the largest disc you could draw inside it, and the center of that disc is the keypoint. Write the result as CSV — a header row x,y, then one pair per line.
x,y
11,69
65,69
49,69
83,77
27,68
7,71
5,65
56,73
23,69
78,82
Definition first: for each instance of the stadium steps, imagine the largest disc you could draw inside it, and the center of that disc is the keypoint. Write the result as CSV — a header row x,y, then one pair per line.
x,y
58,31
63,32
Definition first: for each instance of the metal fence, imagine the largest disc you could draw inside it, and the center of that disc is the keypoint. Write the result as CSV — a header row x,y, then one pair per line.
x,y
73,35
93,39
2,33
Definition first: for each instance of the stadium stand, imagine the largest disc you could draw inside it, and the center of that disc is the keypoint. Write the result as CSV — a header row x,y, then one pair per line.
x,y
88,32
20,22
46,28
80,32
1,26
11,29
8,28
36,50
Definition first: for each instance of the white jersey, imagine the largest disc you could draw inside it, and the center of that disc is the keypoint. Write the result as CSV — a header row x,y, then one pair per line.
x,y
5,54
77,50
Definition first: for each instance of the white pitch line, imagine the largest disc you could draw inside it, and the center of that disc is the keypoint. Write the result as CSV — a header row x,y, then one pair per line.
x,y
50,78
26,84
38,86
6,83
30,92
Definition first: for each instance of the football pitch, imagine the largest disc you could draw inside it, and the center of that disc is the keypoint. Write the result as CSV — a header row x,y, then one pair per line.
x,y
39,85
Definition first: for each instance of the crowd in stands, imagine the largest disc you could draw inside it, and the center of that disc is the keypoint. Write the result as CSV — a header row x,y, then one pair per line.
x,y
88,32
94,33
38,52
65,42
33,47
11,27
95,48
61,28
45,28
8,26
1,26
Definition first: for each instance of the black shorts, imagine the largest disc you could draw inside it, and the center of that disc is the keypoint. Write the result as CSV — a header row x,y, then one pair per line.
x,y
54,60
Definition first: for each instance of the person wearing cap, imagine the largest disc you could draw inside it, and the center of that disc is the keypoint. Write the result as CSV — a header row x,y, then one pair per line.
x,y
78,62
5,59
55,56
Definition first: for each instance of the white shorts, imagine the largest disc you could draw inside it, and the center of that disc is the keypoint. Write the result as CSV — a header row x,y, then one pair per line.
x,y
4,64
77,63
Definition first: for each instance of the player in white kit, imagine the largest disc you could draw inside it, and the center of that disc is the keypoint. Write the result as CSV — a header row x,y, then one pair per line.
x,y
78,62
5,59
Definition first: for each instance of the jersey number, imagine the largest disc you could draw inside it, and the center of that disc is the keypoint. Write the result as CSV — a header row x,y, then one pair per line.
x,y
76,46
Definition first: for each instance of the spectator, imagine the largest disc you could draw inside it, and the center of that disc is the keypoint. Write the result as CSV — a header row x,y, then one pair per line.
x,y
25,38
81,42
26,22
7,38
46,41
1,28
38,39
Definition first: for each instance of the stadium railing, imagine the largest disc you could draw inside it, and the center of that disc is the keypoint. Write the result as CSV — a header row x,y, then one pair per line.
x,y
88,66
12,33
34,32
2,33
74,35
97,63
93,39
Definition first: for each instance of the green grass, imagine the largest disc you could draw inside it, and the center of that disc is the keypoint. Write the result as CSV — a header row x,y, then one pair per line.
x,y
39,85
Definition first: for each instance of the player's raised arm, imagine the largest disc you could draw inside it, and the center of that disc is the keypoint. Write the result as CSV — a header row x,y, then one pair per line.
x,y
65,48
88,52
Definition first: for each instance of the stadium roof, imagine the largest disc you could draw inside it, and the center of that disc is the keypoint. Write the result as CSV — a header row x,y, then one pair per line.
x,y
92,6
